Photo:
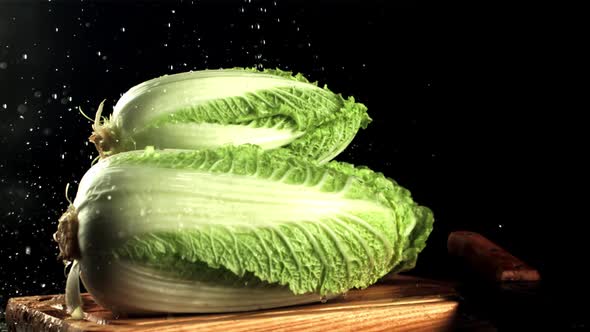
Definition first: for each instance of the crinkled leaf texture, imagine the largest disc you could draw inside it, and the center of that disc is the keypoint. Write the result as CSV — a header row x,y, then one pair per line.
x,y
242,218
211,108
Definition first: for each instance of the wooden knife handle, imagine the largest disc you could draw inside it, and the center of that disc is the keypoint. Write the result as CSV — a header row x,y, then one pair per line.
x,y
489,259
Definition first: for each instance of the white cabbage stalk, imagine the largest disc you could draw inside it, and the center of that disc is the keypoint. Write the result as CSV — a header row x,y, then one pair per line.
x,y
211,108
233,229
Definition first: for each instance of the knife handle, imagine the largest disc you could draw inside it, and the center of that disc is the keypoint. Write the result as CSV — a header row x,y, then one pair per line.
x,y
489,259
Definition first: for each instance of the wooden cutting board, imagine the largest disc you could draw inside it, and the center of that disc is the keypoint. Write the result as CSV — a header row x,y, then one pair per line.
x,y
400,303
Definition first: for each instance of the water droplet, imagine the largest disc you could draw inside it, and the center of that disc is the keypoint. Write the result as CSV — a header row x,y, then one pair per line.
x,y
37,94
500,225
54,95
122,29
43,285
169,24
98,53
4,106
27,250
3,65
25,56
109,197
56,29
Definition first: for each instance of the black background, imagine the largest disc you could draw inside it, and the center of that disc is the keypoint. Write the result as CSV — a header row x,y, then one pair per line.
x,y
473,112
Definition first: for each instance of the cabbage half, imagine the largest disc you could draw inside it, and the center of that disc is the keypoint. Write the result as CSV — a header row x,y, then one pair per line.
x,y
234,228
211,108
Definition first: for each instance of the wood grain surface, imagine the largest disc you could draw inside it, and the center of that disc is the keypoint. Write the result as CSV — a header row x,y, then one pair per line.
x,y
488,259
400,303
